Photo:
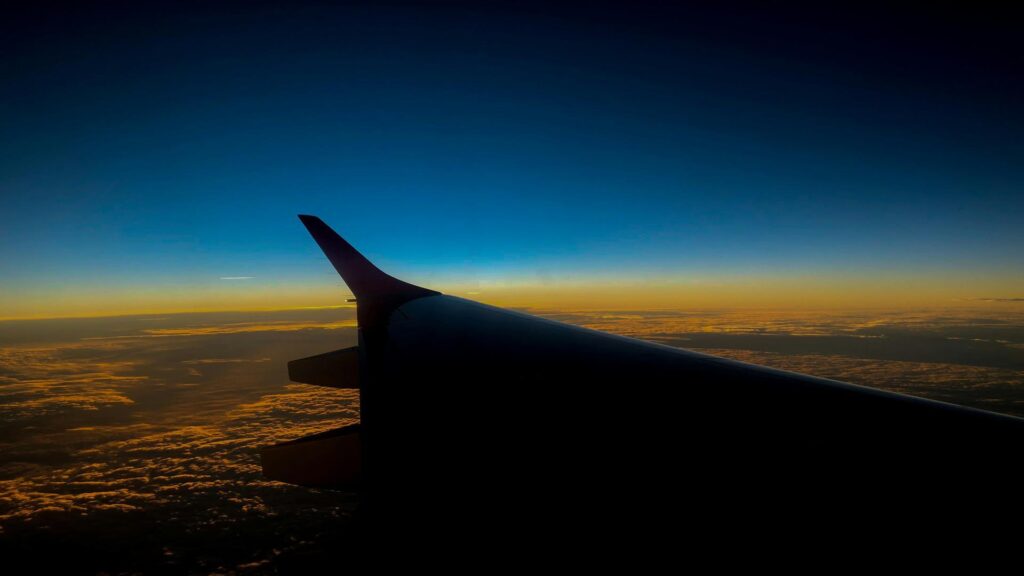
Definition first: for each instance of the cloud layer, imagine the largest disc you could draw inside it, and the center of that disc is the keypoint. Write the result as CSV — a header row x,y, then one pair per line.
x,y
132,443
119,433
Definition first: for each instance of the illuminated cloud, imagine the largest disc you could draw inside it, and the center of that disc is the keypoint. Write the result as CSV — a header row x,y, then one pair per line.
x,y
42,382
237,277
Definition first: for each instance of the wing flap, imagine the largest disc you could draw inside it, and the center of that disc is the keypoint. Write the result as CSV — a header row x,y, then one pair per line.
x,y
337,369
331,459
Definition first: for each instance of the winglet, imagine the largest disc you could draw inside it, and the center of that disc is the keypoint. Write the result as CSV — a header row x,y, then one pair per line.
x,y
364,279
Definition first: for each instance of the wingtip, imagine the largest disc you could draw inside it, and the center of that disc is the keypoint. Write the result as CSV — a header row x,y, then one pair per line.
x,y
363,278
314,224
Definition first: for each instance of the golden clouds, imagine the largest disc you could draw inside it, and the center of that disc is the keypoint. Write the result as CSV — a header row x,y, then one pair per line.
x,y
37,382
250,327
166,465
197,476
120,420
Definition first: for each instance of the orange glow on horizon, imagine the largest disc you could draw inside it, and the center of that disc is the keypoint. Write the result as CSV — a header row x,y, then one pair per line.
x,y
727,292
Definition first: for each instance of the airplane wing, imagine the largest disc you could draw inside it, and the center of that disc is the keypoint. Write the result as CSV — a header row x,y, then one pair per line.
x,y
482,412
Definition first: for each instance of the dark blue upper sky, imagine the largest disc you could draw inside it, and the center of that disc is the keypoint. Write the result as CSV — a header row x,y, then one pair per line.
x,y
170,146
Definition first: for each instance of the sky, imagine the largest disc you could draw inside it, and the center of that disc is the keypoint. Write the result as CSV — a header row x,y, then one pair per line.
x,y
154,158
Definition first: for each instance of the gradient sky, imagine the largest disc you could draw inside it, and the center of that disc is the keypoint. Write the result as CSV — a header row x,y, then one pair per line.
x,y
706,156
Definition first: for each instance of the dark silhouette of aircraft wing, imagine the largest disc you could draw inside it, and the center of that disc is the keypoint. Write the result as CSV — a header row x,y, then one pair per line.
x,y
481,413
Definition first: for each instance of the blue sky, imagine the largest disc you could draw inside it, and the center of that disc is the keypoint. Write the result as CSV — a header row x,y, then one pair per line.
x,y
170,148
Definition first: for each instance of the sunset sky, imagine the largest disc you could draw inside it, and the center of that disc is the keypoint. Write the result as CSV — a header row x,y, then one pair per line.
x,y
837,192
154,160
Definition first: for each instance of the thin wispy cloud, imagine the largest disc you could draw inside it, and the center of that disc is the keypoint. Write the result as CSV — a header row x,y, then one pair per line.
x,y
248,327
998,299
237,277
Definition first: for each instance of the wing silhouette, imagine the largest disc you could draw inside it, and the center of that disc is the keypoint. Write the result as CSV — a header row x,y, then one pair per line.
x,y
483,414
